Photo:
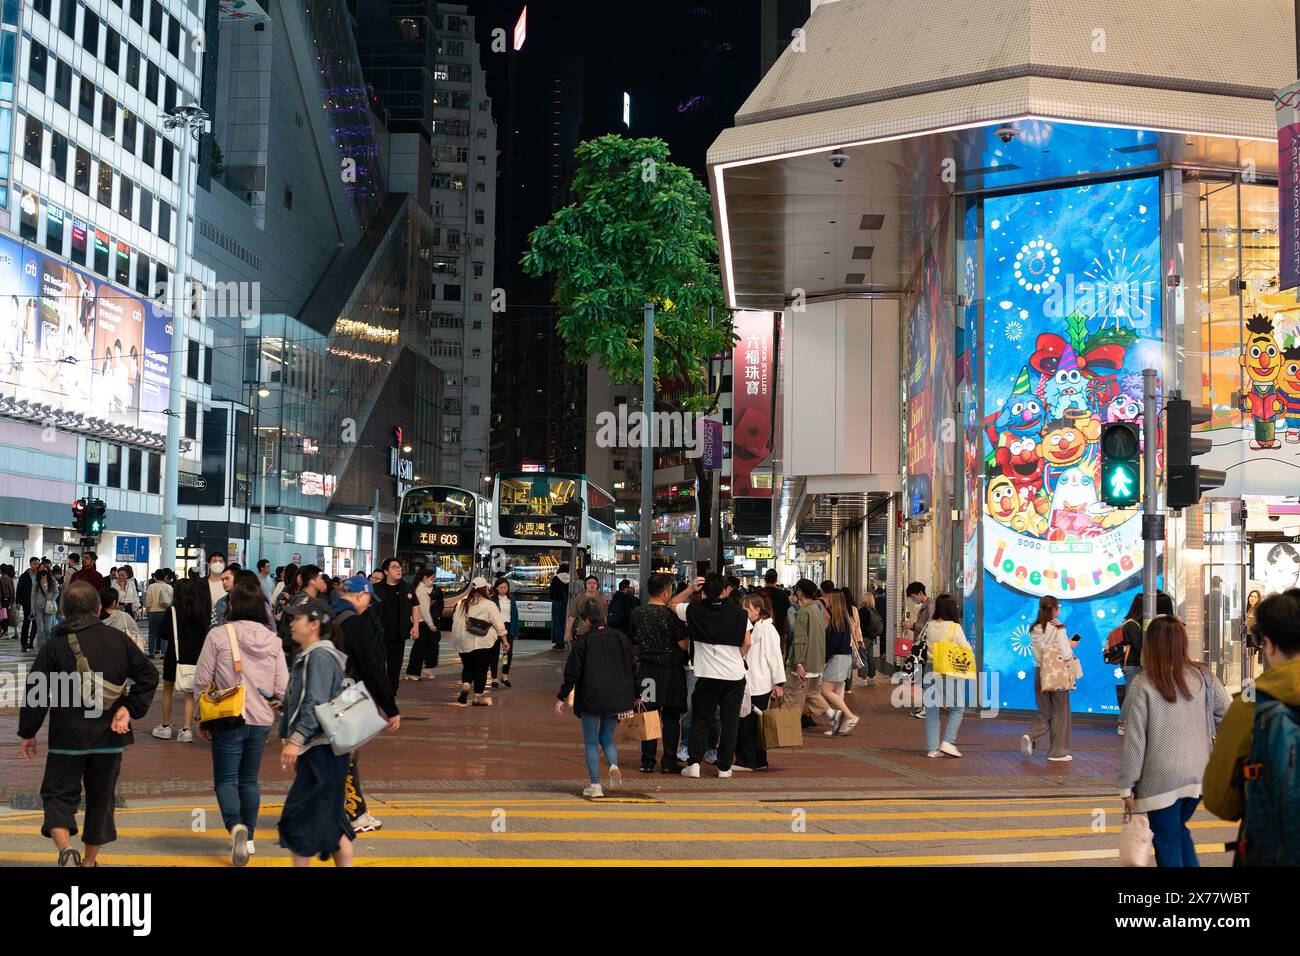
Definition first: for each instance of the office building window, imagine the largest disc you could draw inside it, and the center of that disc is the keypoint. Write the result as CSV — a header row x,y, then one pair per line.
x,y
90,33
192,359
54,230
108,116
164,221
101,253
156,20
93,452
114,478
160,282
63,84
169,95
105,184
173,37
478,270
451,293
478,217
142,263
207,365
137,11
151,83
191,419
123,272
59,155
167,150
79,243
34,141
155,474
37,60
145,203
135,461
112,48
68,17
132,67
81,171
128,130
126,198
150,146
86,101
42,7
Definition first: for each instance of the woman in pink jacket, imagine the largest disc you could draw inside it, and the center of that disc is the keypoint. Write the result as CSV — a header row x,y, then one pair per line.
x,y
237,751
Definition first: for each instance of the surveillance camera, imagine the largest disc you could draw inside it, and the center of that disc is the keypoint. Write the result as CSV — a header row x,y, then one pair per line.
x,y
839,158
1007,133
1274,517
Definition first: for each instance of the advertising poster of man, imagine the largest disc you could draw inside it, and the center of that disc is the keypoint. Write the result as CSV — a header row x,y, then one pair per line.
x,y
119,351
18,325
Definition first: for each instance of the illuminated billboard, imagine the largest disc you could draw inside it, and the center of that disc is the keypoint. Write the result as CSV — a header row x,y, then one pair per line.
x,y
1072,299
79,344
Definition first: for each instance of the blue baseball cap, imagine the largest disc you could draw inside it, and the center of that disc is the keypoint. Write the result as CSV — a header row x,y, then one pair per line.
x,y
358,584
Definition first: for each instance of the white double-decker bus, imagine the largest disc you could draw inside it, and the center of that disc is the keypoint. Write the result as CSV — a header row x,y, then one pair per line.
x,y
528,542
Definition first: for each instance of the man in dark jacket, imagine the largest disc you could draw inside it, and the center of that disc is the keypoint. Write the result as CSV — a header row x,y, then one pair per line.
x,y
26,580
780,606
365,666
89,573
621,606
87,737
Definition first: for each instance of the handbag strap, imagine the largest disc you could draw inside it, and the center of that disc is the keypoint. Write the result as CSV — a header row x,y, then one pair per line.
x,y
234,648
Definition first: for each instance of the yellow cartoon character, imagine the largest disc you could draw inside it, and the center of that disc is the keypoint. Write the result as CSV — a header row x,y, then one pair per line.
x,y
1031,518
1262,361
1002,500
1289,385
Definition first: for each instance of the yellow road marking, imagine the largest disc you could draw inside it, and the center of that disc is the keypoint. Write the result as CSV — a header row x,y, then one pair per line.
x,y
977,859
703,801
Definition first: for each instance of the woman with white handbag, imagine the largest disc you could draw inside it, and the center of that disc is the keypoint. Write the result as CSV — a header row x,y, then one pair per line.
x,y
182,635
1171,717
45,604
1054,674
243,650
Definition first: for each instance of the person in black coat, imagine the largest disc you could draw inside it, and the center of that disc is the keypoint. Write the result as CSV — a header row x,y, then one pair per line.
x,y
355,637
88,735
602,676
27,637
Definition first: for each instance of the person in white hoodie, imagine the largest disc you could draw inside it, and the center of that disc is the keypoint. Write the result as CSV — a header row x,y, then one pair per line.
x,y
764,679
113,615
476,624
237,751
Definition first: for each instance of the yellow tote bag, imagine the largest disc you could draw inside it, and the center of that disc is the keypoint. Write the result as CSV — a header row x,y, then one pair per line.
x,y
950,659
222,708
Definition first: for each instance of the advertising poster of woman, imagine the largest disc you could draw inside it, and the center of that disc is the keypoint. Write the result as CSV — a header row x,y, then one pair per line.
x,y
119,343
18,345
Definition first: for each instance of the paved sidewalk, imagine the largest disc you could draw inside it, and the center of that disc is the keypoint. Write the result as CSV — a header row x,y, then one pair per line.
x,y
520,745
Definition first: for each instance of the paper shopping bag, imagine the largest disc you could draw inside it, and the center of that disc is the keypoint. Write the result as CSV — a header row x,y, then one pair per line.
x,y
780,727
642,725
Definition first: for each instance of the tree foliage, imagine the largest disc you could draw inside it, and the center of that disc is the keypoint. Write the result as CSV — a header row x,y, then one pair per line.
x,y
640,230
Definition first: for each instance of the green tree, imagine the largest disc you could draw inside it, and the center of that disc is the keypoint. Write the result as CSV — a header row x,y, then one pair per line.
x,y
640,230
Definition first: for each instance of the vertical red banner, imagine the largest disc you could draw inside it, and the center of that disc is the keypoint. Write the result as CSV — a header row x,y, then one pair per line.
x,y
752,379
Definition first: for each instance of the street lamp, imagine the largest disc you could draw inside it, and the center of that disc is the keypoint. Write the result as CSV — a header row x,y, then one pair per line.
x,y
192,122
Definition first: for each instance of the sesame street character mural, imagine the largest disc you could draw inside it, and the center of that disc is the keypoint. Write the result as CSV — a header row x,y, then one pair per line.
x,y
1057,367
1262,360
1289,386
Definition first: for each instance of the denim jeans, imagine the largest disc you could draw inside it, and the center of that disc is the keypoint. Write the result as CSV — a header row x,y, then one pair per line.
x,y
155,627
44,625
1170,838
597,735
236,760
942,693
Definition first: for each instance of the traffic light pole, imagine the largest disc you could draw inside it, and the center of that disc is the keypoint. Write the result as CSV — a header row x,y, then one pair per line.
x,y
1153,522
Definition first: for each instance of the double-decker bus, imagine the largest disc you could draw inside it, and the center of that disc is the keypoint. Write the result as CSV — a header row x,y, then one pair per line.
x,y
528,541
446,529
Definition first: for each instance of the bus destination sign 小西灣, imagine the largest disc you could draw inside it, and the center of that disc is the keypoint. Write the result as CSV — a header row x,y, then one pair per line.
x,y
536,527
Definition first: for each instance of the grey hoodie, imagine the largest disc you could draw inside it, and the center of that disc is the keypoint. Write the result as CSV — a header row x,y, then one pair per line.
x,y
317,677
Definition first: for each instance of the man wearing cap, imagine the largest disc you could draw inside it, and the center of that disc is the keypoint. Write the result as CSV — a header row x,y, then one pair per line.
x,y
365,666
399,613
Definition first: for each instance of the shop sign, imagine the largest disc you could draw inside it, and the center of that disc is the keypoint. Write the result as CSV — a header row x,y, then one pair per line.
x,y
753,364
759,554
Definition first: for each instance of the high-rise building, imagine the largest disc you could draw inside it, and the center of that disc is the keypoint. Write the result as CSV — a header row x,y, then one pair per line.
x,y
90,212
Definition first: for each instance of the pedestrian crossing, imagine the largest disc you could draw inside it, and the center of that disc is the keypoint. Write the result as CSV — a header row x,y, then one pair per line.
x,y
629,830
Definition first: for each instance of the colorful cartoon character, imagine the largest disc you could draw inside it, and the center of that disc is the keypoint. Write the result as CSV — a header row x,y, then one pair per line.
x,y
1022,416
1064,446
1019,461
1032,516
1066,392
1002,499
1126,407
1074,506
1289,385
1263,366
1016,508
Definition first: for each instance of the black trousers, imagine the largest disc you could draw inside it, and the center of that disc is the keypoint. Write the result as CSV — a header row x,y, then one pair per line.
x,y
65,775
396,651
671,718
749,749
474,667
354,800
726,696
28,635
497,662
424,653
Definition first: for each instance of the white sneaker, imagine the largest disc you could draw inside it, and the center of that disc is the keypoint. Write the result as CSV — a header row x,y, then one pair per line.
x,y
950,749
1026,746
934,753
724,774
615,779
849,725
919,714
185,736
1120,730
367,824
1066,759
239,845
593,791
251,849
163,731
736,766
691,770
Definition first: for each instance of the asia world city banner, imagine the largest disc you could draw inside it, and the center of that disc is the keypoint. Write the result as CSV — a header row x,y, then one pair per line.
x,y
1072,299
79,344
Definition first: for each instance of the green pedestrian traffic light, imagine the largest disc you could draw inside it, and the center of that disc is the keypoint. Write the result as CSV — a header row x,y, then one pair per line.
x,y
1121,465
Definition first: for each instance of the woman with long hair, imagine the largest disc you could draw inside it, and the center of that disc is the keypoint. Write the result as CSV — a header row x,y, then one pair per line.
x,y
45,604
237,751
476,625
1171,713
510,614
288,588
182,634
764,679
839,663
1049,638
1249,637
1131,645
424,652
948,693
248,581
